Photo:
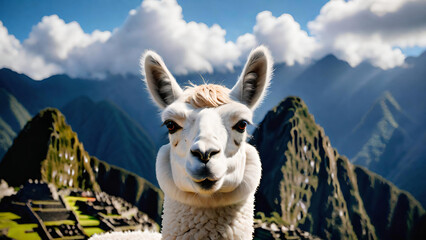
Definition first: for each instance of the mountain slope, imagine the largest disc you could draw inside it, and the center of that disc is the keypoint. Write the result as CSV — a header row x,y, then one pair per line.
x,y
128,92
387,142
382,129
6,137
408,174
12,112
325,84
13,117
22,88
311,186
47,149
111,135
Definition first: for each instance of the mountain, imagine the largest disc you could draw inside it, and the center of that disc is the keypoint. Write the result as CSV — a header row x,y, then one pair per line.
x,y
13,117
111,135
408,173
340,97
48,150
405,84
128,92
308,184
386,141
22,88
408,87
325,84
384,122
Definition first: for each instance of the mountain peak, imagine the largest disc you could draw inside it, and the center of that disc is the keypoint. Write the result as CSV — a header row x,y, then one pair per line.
x,y
116,139
47,149
12,111
7,71
311,186
50,151
387,109
390,100
331,59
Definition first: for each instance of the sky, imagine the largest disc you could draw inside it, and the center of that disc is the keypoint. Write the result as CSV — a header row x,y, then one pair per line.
x,y
98,37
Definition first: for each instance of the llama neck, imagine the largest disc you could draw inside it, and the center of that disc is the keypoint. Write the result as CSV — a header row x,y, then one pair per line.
x,y
181,221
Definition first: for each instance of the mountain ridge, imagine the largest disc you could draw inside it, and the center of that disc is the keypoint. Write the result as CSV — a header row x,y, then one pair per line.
x,y
48,150
311,186
338,105
13,117
110,134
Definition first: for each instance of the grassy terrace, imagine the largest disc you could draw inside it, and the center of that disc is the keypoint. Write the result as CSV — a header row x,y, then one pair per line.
x,y
89,223
17,231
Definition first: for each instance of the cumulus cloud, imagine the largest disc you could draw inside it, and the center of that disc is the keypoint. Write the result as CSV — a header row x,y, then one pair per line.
x,y
48,48
156,25
372,30
353,30
13,55
54,39
283,35
159,25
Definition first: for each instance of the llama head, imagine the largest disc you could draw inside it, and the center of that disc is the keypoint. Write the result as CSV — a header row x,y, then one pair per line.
x,y
208,162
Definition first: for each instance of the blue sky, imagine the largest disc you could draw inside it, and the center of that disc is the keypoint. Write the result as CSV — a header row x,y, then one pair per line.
x,y
237,17
93,38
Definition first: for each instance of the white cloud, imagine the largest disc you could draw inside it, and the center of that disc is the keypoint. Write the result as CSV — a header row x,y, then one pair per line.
x,y
14,56
158,25
372,30
353,30
283,35
54,39
48,48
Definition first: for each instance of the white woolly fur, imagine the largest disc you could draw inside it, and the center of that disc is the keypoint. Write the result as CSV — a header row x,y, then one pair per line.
x,y
136,235
181,221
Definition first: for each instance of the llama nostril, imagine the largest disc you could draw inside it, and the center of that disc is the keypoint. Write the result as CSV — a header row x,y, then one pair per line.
x,y
204,156
213,152
198,154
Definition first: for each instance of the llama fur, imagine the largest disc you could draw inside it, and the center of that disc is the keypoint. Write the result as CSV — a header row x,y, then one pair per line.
x,y
208,172
135,235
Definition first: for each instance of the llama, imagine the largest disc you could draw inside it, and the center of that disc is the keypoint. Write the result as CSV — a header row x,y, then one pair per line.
x,y
208,172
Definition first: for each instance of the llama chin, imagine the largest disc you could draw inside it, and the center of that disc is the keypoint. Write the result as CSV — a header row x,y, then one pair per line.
x,y
208,172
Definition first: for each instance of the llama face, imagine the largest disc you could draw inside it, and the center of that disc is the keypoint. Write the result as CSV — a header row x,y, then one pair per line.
x,y
207,149
207,154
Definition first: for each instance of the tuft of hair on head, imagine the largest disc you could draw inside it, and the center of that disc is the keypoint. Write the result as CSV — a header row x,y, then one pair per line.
x,y
208,95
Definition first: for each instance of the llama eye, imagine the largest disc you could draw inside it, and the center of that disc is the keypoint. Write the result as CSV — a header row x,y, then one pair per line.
x,y
240,126
172,126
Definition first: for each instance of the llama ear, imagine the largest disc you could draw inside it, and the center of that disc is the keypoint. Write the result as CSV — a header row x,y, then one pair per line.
x,y
254,80
161,84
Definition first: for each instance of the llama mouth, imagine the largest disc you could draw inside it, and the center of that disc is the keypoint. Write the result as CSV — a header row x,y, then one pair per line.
x,y
206,184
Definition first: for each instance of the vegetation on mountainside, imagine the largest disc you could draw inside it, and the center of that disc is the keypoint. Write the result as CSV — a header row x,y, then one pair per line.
x,y
13,117
103,124
52,152
313,187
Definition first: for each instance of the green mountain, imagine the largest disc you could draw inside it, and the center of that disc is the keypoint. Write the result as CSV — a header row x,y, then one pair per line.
x,y
111,135
47,149
375,139
408,173
13,117
308,184
387,141
128,92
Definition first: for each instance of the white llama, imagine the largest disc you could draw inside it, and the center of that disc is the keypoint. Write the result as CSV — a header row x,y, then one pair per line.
x,y
208,172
